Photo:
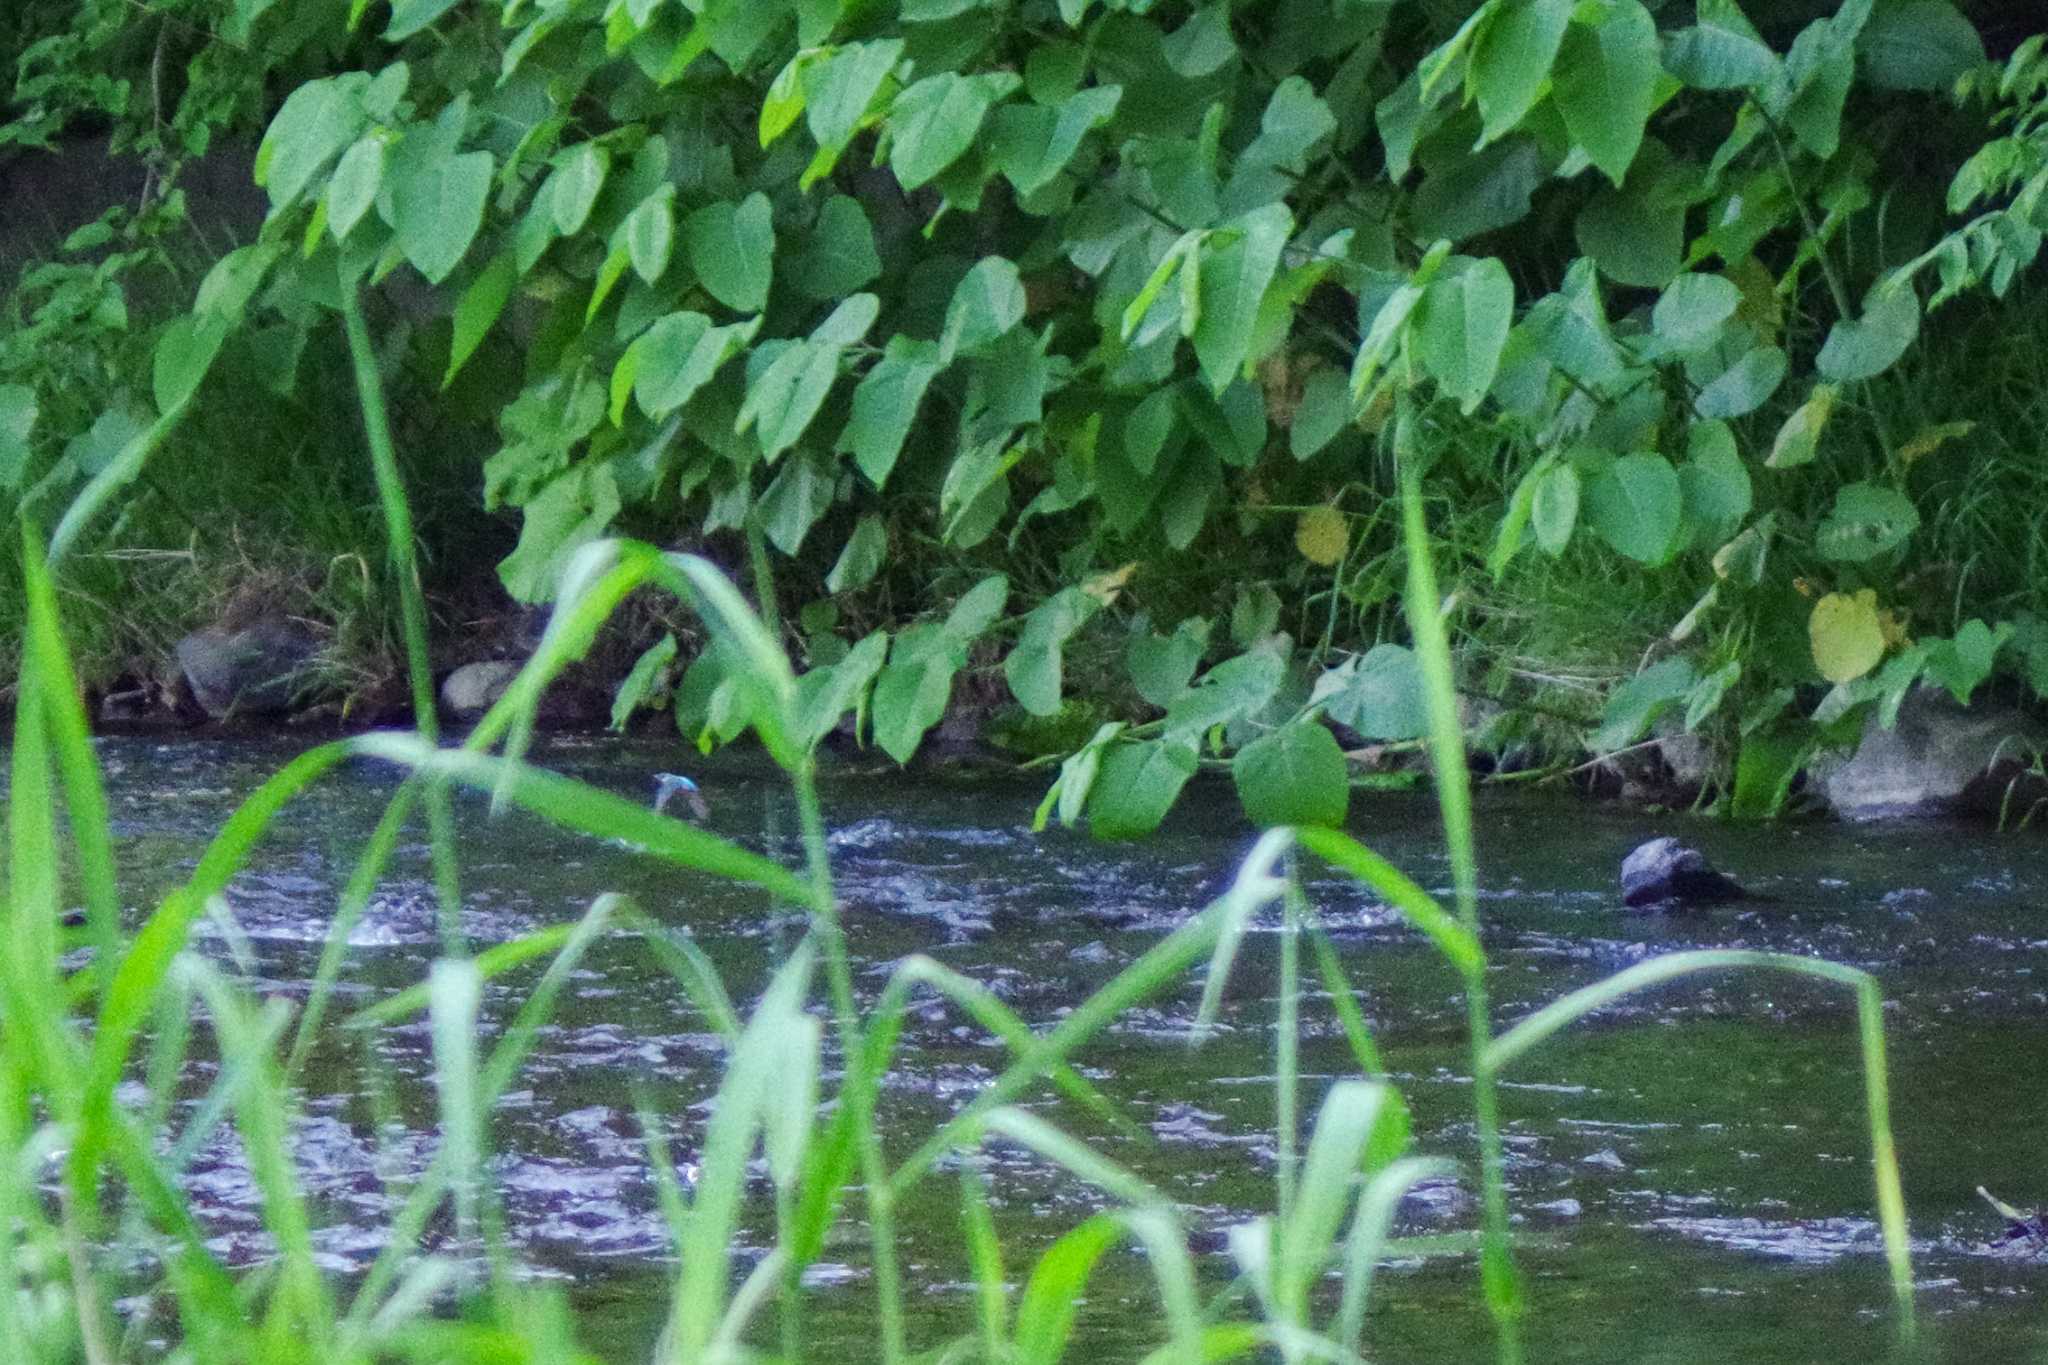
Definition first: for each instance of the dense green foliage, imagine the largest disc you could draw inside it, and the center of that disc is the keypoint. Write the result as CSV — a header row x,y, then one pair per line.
x,y
1064,327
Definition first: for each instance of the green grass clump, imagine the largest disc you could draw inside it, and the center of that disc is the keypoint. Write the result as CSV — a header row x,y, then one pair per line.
x,y
89,1182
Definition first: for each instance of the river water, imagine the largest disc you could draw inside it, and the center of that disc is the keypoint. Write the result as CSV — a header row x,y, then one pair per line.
x,y
1690,1170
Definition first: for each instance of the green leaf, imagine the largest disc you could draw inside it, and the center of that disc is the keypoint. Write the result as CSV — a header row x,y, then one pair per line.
x,y
988,302
1689,314
1295,120
1636,506
573,188
679,356
1033,667
410,16
1821,67
640,682
1715,482
1232,283
1554,510
660,360
1293,776
1201,46
1324,411
839,253
1481,193
1917,45
977,608
1462,325
784,102
731,249
354,185
478,310
184,353
1605,84
1961,664
839,90
1030,145
1742,559
1381,694
566,515
1745,386
1507,540
885,405
1161,666
316,123
1860,348
825,694
1148,427
791,505
1721,52
1636,233
1866,521
935,120
1232,690
862,557
1137,785
437,205
787,393
17,420
912,692
1765,767
1636,704
1511,56
650,233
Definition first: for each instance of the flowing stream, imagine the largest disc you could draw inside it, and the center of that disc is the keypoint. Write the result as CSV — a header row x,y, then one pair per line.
x,y
1690,1169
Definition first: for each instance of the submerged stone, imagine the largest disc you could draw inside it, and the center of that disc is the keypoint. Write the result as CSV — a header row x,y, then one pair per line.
x,y
1665,874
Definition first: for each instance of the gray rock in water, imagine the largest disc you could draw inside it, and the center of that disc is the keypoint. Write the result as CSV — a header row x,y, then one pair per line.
x,y
1665,873
1930,759
257,669
473,689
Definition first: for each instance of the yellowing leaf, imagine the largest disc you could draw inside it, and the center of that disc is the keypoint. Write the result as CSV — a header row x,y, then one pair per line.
x,y
1105,586
1846,634
1799,439
1932,439
1321,535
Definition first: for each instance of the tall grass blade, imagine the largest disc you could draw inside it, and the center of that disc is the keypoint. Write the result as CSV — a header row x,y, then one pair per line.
x,y
1076,1158
1351,1112
1891,1201
985,1254
348,913
1459,943
454,996
1045,1312
729,1139
1501,1281
1371,1227
62,710
1256,885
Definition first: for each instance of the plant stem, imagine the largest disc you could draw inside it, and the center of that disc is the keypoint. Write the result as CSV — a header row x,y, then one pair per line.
x,y
412,608
1454,801
846,1010
1287,1047
1836,289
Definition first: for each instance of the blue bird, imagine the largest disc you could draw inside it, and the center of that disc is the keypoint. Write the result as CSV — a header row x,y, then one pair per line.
x,y
667,785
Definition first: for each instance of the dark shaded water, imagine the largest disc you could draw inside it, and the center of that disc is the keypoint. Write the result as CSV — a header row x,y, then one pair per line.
x,y
1691,1168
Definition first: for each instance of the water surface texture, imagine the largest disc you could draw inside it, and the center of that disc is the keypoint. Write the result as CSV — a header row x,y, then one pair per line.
x,y
1690,1168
